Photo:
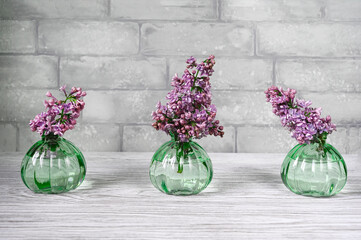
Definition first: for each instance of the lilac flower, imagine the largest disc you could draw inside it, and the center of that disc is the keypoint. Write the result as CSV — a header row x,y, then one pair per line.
x,y
304,122
189,112
61,115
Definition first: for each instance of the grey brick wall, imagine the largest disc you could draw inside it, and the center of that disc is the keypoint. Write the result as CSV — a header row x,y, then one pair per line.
x,y
124,53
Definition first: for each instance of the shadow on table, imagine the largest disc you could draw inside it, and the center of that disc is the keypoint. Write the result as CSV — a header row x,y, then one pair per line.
x,y
245,180
121,177
251,180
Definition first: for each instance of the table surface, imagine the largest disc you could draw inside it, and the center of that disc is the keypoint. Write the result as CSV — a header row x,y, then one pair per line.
x,y
245,200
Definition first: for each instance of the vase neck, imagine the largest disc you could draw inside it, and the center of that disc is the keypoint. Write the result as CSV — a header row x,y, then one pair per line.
x,y
175,138
320,139
50,137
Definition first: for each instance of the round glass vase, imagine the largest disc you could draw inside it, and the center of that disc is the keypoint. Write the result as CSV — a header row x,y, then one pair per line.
x,y
180,168
53,165
314,169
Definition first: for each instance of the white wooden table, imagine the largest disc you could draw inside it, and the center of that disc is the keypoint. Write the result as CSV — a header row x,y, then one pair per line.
x,y
245,200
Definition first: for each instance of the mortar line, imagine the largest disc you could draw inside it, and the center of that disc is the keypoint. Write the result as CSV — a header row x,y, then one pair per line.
x,y
255,39
140,39
324,10
210,20
109,8
36,37
17,139
167,74
219,9
58,72
348,148
121,134
240,91
235,125
274,71
136,56
235,139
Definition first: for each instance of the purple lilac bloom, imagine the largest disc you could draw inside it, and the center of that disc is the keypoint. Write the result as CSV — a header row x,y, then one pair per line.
x,y
304,122
61,115
189,112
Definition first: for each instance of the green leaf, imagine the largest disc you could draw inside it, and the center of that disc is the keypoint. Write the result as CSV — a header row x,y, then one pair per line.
x,y
199,89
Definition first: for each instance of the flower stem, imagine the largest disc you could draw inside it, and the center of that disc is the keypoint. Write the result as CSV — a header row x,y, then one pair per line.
x,y
321,140
195,79
179,154
62,111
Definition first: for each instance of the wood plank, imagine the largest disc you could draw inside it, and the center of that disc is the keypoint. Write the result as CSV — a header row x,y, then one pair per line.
x,y
246,200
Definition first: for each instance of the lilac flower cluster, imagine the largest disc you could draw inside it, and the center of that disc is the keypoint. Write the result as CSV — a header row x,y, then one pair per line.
x,y
304,122
189,112
61,115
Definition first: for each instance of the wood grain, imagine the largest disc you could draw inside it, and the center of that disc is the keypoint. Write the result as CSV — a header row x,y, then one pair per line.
x,y
246,200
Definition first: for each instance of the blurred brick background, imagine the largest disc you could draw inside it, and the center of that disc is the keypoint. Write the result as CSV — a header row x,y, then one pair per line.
x,y
124,53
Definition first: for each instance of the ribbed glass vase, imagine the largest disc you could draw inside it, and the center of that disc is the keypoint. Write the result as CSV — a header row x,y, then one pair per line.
x,y
314,169
181,168
53,165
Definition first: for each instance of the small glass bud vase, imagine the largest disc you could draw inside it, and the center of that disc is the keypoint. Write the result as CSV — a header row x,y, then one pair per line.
x,y
315,169
181,168
53,165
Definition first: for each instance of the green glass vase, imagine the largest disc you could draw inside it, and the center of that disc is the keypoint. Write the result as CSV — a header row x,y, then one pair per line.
x,y
181,168
53,165
314,169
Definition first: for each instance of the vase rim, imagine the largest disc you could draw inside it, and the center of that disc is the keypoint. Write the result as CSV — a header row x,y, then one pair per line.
x,y
176,139
51,136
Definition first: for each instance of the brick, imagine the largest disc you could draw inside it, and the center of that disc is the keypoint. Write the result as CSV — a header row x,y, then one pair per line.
x,y
233,73
355,140
88,37
87,137
17,36
164,10
348,10
143,139
342,107
218,144
264,139
21,105
196,38
53,8
114,72
309,39
7,137
339,140
121,106
147,139
28,71
27,138
320,75
91,137
268,139
265,10
237,107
